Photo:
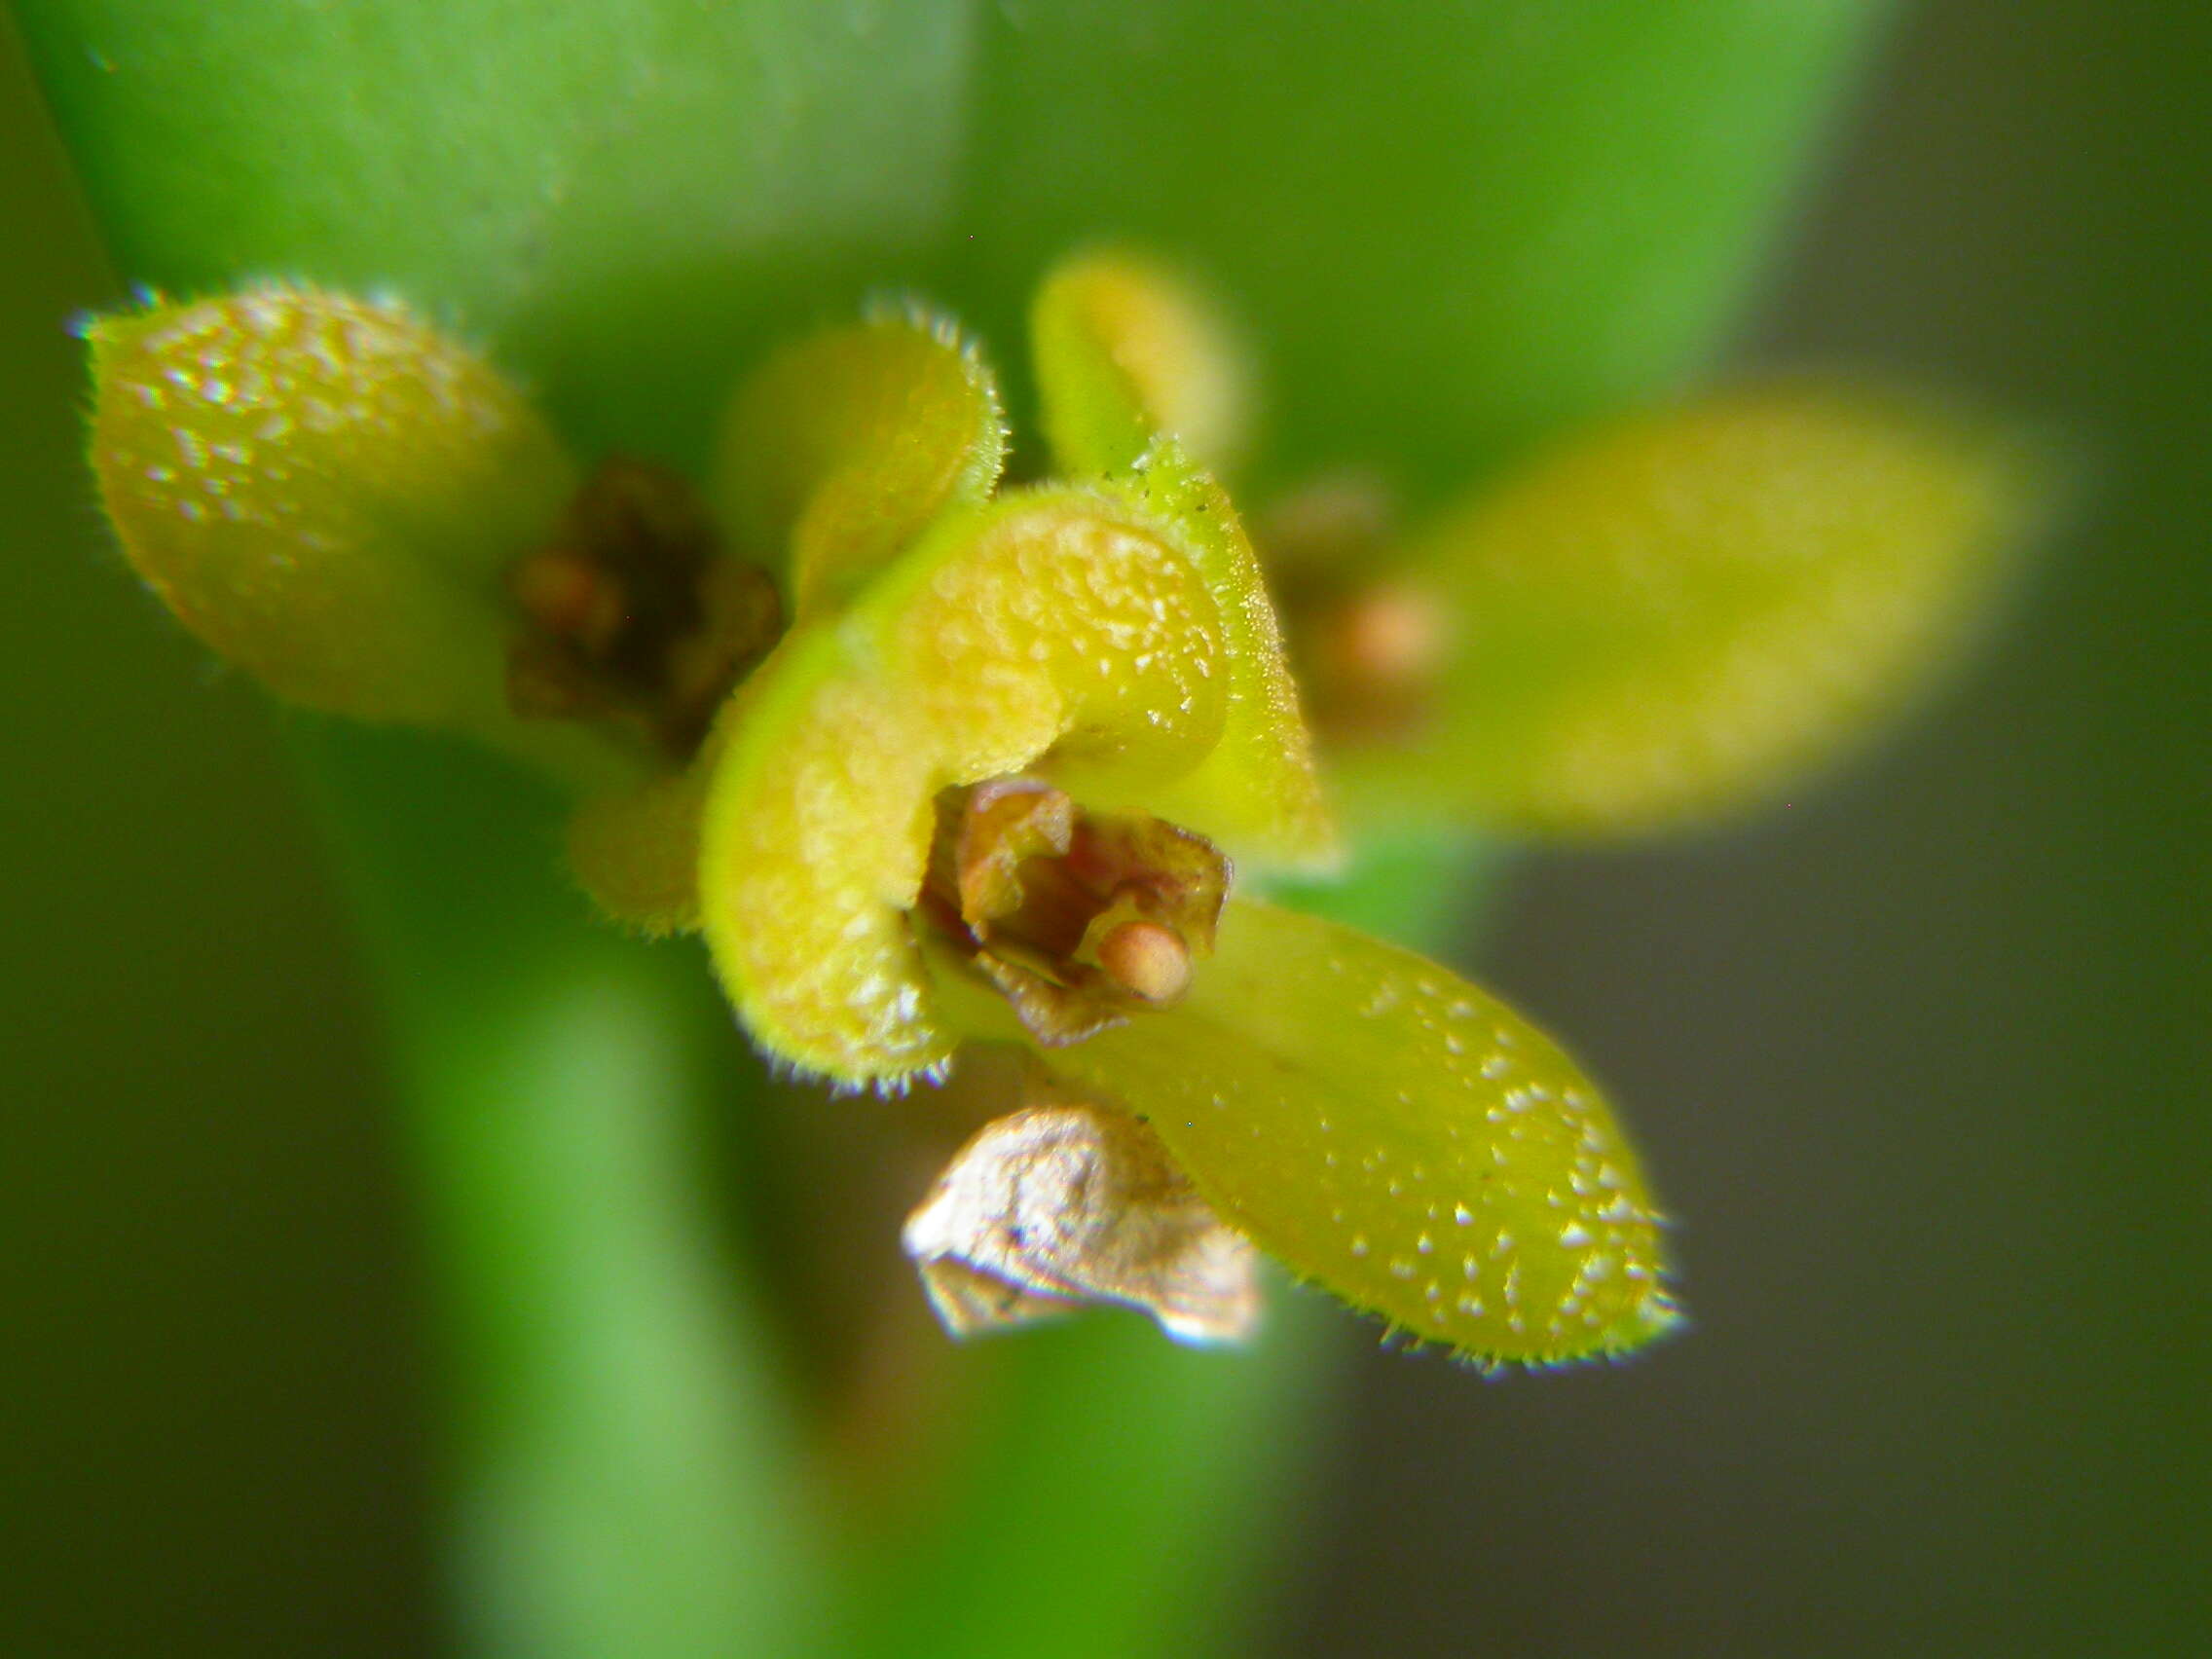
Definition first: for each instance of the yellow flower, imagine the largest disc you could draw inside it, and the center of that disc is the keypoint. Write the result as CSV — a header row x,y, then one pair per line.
x,y
1053,720
1013,775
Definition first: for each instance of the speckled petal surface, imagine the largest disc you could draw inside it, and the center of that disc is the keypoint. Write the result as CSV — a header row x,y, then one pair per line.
x,y
1056,620
325,490
1259,792
1400,1137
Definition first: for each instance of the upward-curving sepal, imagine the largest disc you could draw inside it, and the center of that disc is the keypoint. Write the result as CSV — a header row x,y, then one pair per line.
x,y
1685,613
1396,1136
328,492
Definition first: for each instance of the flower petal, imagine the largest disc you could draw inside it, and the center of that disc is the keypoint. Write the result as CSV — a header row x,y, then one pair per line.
x,y
1258,794
1684,613
636,851
1134,374
1395,1134
326,491
1126,349
1061,630
843,447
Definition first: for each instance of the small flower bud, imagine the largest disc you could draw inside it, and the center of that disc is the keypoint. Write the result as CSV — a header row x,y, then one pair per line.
x,y
1146,959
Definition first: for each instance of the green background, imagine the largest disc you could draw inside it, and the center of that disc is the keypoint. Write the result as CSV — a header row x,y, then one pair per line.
x,y
1922,1062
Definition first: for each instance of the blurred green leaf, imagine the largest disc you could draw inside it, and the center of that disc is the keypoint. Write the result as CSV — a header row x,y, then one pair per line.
x,y
625,198
1447,229
629,1480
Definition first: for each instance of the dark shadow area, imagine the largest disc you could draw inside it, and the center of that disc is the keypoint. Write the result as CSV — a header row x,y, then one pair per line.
x,y
209,1365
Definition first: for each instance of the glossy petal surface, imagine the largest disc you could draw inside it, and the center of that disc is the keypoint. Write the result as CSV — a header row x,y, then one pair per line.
x,y
842,449
1398,1136
1684,613
326,491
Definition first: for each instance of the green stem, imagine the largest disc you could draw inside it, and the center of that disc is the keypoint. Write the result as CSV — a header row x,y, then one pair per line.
x,y
623,1472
